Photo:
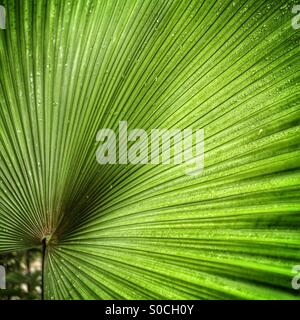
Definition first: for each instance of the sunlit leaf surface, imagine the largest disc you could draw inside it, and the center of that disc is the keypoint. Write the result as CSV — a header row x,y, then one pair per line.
x,y
70,68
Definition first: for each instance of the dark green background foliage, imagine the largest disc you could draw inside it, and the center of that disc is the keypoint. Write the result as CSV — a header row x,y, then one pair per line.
x,y
69,68
22,280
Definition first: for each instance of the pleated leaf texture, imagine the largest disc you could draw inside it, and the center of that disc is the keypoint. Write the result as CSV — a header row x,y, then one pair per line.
x,y
71,68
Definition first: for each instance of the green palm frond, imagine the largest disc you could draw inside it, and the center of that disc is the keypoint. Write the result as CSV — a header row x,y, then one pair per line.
x,y
69,68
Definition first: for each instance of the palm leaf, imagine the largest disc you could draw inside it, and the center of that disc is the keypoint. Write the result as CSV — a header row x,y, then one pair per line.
x,y
70,68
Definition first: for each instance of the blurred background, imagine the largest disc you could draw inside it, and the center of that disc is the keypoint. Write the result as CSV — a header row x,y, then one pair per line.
x,y
23,275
